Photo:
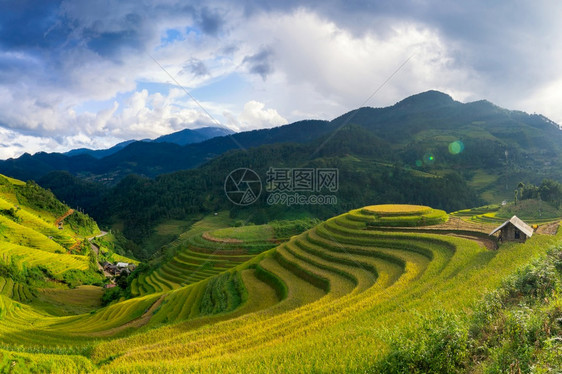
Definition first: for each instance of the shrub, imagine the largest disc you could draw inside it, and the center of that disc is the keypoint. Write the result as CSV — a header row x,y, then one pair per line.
x,y
110,295
439,345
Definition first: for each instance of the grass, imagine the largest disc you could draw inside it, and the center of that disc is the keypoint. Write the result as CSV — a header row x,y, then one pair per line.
x,y
56,263
531,211
208,249
534,211
64,301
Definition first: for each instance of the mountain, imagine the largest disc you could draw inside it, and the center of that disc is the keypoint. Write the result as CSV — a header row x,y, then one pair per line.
x,y
151,158
188,136
182,137
99,153
418,127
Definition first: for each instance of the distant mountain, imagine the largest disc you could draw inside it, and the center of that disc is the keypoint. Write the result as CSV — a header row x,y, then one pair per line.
x,y
99,153
153,158
182,137
188,136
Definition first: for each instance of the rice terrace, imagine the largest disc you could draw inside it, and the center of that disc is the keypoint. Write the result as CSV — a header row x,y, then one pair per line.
x,y
384,288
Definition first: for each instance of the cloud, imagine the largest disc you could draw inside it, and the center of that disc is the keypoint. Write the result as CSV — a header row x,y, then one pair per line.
x,y
74,70
255,116
210,21
197,68
260,63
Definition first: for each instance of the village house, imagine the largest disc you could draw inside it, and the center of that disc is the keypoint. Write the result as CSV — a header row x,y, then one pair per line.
x,y
513,230
118,269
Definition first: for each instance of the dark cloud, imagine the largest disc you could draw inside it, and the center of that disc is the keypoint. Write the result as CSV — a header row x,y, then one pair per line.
x,y
25,24
210,21
108,44
260,63
197,68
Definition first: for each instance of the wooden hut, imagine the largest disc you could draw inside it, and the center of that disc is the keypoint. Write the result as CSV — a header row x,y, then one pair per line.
x,y
514,230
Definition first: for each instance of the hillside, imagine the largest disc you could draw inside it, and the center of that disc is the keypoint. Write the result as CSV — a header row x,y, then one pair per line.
x,y
41,243
475,152
345,294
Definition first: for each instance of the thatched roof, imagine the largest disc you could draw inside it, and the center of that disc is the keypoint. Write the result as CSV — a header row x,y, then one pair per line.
x,y
515,221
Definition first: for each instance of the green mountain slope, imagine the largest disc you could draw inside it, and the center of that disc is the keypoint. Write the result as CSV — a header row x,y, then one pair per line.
x,y
41,242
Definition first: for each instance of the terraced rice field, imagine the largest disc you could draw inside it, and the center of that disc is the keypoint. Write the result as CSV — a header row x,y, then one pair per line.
x,y
399,215
206,254
56,263
14,290
328,300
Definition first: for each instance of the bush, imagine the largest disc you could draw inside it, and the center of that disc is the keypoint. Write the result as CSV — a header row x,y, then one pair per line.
x,y
111,294
439,345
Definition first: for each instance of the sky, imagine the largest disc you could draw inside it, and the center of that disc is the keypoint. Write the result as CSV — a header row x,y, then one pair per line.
x,y
84,73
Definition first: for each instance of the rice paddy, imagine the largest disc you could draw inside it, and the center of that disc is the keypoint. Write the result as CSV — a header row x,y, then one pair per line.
x,y
233,300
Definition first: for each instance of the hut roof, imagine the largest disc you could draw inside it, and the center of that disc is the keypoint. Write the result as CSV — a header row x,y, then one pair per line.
x,y
515,221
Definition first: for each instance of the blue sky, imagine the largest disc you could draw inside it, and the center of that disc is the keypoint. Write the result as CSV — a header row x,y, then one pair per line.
x,y
89,74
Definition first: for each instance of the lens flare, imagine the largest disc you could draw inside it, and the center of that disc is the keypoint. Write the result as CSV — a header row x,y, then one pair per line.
x,y
428,159
456,147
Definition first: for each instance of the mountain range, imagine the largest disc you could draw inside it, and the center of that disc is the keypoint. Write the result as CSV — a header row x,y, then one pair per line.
x,y
416,126
427,149
182,137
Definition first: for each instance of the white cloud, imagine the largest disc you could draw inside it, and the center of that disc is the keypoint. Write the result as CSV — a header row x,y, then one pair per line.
x,y
323,70
316,61
255,116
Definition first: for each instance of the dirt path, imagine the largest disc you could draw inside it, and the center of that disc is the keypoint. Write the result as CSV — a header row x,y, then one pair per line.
x,y
138,322
61,218
94,247
486,243
207,236
549,228
96,250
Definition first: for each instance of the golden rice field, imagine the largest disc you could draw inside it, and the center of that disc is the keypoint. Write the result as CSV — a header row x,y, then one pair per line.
x,y
399,215
396,209
328,300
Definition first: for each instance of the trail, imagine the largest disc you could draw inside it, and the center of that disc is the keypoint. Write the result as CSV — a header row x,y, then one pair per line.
x,y
549,228
61,218
94,247
96,250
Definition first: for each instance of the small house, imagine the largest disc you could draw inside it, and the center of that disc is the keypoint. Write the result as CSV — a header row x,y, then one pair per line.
x,y
514,230
122,265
